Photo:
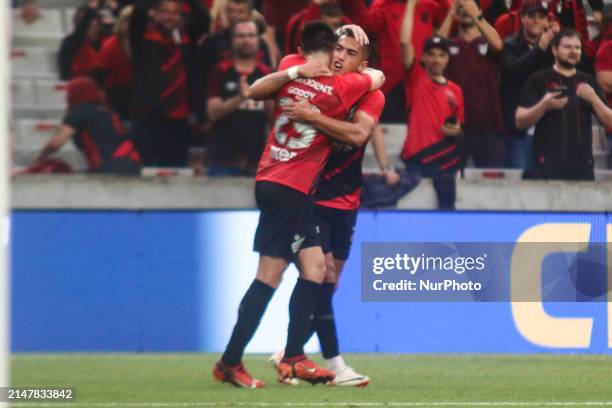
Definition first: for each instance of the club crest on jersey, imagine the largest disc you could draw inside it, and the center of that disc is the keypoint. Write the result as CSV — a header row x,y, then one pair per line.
x,y
483,48
231,86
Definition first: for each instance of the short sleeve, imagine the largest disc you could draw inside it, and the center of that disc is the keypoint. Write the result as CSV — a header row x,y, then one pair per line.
x,y
531,93
603,59
215,82
351,87
76,117
372,104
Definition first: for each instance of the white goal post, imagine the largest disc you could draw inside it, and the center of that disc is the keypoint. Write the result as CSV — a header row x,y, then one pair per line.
x,y
5,26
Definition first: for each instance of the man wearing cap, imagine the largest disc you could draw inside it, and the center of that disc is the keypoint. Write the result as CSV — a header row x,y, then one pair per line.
x,y
524,53
434,123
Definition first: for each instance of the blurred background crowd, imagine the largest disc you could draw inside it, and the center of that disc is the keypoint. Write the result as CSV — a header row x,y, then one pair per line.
x,y
113,85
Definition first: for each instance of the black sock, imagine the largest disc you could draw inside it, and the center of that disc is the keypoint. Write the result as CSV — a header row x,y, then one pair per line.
x,y
325,323
250,311
301,310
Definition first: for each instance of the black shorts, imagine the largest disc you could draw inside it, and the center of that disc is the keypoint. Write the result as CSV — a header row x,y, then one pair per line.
x,y
286,221
336,228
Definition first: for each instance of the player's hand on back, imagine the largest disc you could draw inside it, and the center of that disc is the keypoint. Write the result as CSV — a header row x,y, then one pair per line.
x,y
300,110
452,130
314,69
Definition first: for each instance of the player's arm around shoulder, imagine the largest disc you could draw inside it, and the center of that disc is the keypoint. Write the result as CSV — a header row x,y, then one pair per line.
x,y
289,69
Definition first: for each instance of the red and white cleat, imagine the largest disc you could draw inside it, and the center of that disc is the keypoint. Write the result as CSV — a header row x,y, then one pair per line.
x,y
304,369
236,375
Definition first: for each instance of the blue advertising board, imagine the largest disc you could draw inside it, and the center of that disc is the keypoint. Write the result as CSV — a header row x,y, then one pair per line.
x,y
172,281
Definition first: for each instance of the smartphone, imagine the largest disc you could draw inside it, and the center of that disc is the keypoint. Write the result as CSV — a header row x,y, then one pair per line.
x,y
560,90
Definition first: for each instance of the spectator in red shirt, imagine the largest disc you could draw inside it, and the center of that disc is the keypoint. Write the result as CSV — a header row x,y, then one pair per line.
x,y
384,18
493,9
114,70
436,115
473,66
330,13
277,13
79,50
239,123
603,68
96,130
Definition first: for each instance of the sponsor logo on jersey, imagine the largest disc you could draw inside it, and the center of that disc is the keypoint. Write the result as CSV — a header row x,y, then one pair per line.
x,y
311,83
301,93
280,154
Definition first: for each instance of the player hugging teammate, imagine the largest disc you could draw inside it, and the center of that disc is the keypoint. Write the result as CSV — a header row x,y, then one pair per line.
x,y
311,105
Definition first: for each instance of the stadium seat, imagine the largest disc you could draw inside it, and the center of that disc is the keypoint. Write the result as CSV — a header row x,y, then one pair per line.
x,y
51,94
22,94
33,133
395,135
33,62
50,24
68,18
30,136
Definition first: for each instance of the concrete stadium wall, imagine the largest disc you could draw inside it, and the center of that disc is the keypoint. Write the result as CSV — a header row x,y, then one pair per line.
x,y
99,192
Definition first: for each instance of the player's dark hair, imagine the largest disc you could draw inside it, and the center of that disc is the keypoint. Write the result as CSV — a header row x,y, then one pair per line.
x,y
317,36
564,33
366,48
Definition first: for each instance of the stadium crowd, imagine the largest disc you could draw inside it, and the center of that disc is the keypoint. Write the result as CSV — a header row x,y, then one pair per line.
x,y
174,75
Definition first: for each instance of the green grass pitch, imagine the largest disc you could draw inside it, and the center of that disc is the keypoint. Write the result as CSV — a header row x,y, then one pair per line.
x,y
185,380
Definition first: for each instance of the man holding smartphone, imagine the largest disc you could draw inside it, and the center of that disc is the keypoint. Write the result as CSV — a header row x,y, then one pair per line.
x,y
559,102
436,115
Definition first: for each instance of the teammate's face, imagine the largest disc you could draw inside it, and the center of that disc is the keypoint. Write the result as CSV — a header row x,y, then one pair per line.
x,y
435,61
348,56
237,12
245,41
168,15
568,52
534,24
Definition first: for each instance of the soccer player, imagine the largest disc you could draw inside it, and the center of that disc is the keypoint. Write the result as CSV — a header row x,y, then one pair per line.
x,y
338,195
292,160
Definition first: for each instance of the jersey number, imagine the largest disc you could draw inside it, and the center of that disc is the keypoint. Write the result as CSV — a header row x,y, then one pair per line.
x,y
305,133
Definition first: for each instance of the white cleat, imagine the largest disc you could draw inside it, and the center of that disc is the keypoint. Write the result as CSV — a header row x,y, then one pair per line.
x,y
347,377
275,359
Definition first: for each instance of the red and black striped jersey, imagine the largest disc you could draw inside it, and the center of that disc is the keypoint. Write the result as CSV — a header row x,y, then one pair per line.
x,y
340,184
295,152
